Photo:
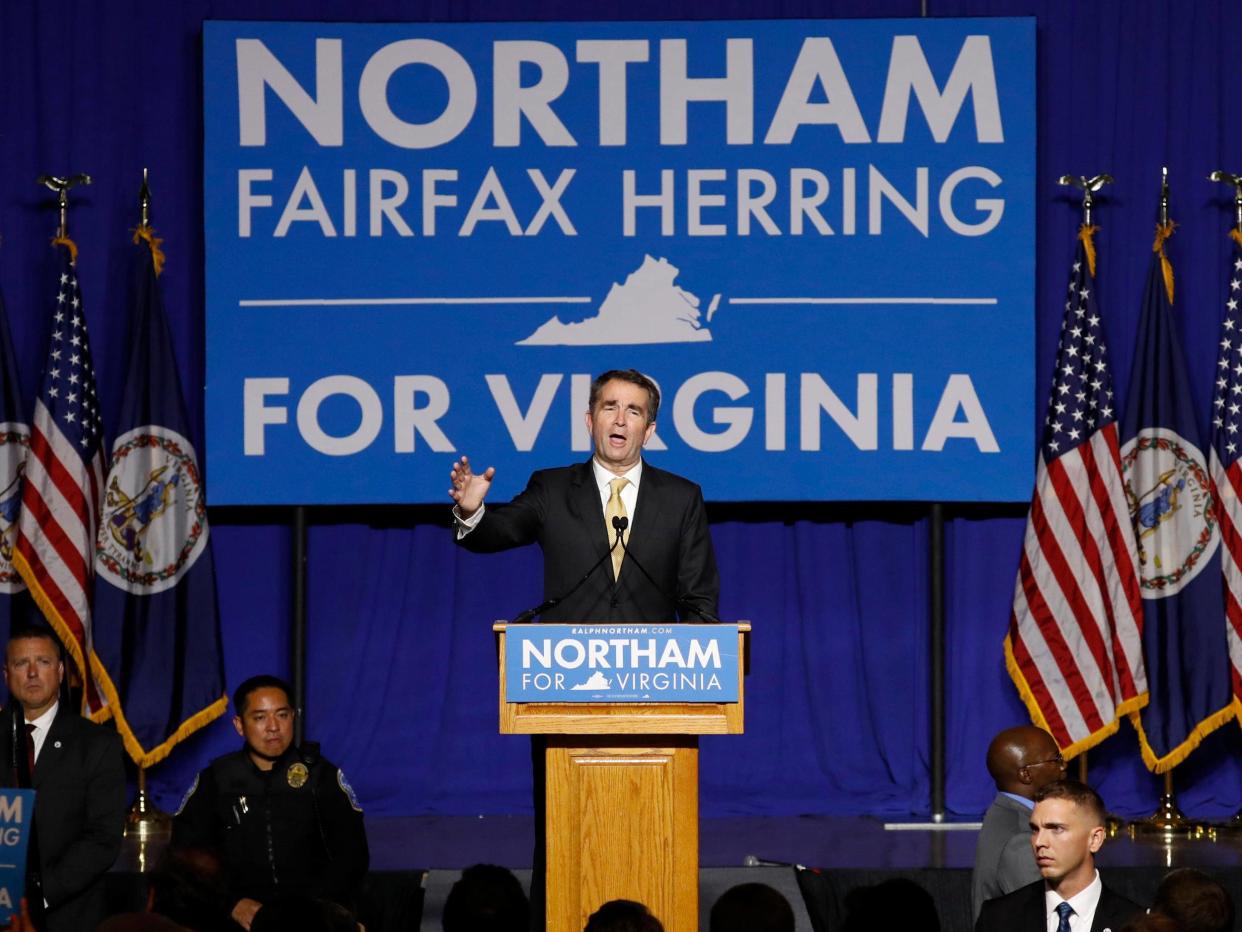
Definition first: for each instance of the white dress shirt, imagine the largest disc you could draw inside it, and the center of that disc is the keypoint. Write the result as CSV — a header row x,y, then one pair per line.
x,y
629,494
1084,903
42,725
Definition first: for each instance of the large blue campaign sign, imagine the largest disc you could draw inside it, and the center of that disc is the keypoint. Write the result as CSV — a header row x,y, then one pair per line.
x,y
816,236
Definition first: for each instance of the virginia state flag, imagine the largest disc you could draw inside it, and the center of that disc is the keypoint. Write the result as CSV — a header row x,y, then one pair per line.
x,y
157,629
15,601
1172,504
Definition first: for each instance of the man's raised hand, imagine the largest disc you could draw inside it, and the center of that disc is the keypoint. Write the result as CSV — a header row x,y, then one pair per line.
x,y
469,488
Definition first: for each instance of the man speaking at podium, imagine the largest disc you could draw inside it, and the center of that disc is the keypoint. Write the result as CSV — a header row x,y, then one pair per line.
x,y
621,540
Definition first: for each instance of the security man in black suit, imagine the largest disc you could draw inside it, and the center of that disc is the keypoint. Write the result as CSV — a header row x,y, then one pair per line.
x,y
283,818
1067,829
79,782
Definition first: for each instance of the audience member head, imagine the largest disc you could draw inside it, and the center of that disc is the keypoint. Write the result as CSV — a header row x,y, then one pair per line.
x,y
1023,759
1197,902
894,904
304,913
752,907
1151,922
487,898
623,916
34,665
1067,829
189,886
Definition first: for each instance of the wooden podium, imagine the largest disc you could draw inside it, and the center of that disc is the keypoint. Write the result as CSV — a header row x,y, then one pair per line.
x,y
623,798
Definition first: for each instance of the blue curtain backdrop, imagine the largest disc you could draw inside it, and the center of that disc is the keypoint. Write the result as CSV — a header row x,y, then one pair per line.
x,y
401,666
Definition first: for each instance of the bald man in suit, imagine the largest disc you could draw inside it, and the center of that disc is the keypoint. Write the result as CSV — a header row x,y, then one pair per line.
x,y
1022,761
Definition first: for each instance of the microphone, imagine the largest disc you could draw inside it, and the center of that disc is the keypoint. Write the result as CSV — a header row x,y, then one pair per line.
x,y
553,602
752,860
619,524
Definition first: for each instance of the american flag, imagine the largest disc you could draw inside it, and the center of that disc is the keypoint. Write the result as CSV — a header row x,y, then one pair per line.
x,y
1074,647
55,547
1226,469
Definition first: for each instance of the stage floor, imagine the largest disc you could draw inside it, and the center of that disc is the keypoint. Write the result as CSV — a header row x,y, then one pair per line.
x,y
833,842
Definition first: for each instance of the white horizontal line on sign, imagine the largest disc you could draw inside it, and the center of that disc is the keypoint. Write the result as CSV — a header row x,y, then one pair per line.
x,y
363,302
862,300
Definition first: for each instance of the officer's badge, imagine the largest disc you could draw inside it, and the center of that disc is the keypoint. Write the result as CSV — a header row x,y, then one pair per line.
x,y
297,775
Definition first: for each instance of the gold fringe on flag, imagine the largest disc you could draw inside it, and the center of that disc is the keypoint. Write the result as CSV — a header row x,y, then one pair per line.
x,y
1163,232
1087,234
1236,236
68,244
147,233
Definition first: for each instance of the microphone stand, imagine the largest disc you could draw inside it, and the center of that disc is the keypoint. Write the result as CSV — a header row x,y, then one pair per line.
x,y
552,603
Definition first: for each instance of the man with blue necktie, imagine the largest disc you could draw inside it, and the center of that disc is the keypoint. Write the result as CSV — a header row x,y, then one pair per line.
x,y
1067,829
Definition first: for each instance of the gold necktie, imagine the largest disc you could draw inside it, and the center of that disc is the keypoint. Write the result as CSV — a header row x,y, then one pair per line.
x,y
616,509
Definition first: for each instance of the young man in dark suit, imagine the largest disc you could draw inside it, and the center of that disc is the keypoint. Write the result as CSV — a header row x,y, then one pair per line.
x,y
79,781
1067,829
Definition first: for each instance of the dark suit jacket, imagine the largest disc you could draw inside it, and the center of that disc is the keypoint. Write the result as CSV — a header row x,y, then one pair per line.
x,y
1003,857
561,510
79,781
1023,911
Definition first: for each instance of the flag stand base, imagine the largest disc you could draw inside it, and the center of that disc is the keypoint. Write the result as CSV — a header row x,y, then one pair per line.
x,y
145,821
1167,818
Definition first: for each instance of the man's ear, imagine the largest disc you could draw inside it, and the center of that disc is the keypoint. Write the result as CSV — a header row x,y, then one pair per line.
x,y
650,429
237,723
1096,839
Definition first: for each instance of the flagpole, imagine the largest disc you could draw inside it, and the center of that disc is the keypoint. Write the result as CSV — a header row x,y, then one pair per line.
x,y
77,682
1088,186
61,186
936,592
1168,818
297,660
146,822
1235,823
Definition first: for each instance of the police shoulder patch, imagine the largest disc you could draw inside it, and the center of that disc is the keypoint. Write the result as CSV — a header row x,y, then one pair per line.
x,y
347,789
188,793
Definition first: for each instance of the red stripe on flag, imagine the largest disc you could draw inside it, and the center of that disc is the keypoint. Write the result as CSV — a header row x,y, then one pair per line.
x,y
60,540
1115,541
67,611
1051,631
1030,672
1075,520
66,483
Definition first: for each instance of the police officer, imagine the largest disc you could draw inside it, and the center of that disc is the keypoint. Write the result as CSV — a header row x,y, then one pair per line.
x,y
283,818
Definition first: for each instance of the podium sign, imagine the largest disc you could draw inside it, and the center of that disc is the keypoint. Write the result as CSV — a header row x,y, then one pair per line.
x,y
622,663
16,819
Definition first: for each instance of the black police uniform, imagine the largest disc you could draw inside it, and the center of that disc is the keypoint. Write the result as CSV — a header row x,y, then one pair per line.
x,y
296,828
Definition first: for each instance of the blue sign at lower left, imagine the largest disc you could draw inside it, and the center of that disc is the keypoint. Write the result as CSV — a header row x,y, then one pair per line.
x,y
16,818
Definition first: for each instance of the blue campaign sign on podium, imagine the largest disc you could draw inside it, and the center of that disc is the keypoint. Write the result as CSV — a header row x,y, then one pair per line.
x,y
16,818
621,663
817,236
